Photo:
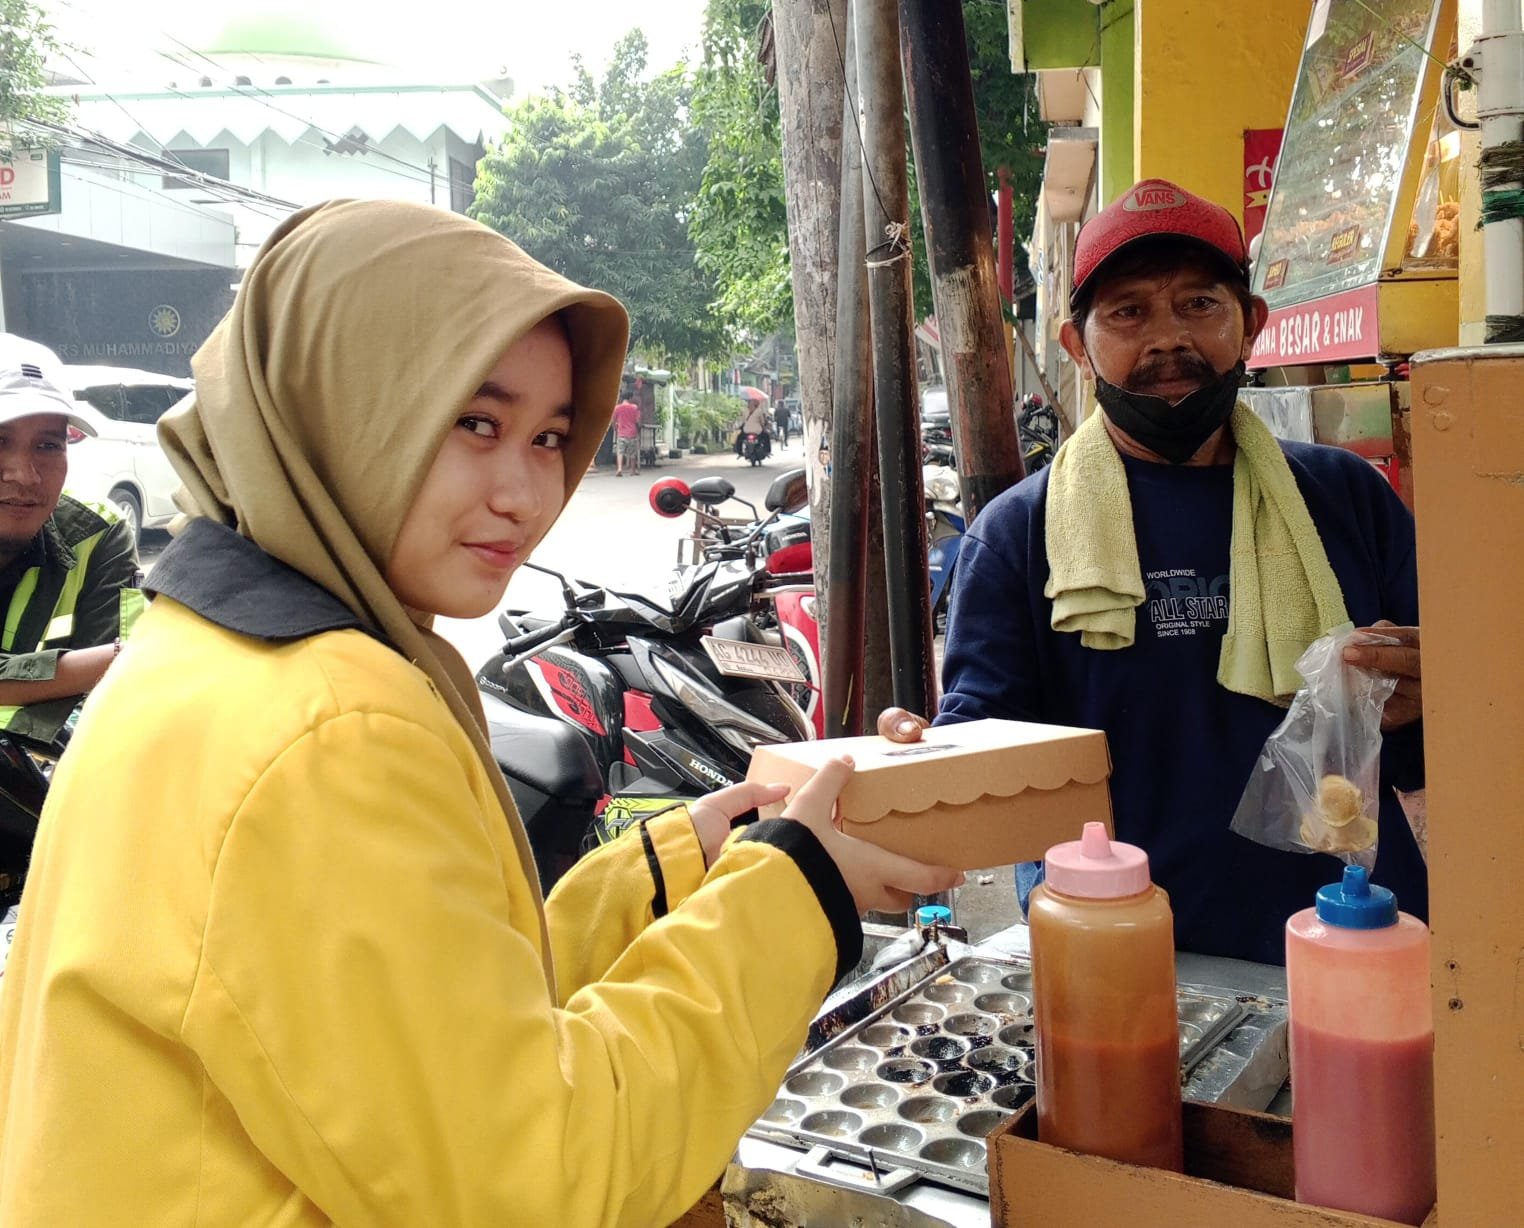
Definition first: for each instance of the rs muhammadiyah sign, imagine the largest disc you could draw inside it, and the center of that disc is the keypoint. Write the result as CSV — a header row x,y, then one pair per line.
x,y
1339,328
29,180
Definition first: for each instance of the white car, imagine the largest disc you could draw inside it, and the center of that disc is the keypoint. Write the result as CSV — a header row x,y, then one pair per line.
x,y
124,464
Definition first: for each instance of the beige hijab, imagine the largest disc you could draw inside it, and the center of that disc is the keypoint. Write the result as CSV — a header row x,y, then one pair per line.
x,y
359,333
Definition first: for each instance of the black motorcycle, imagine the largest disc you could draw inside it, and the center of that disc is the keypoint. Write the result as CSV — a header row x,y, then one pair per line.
x,y
668,700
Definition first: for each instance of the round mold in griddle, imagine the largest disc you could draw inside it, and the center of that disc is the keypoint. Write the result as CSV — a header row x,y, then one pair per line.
x,y
884,1035
917,1013
784,1112
1197,1010
1018,982
971,1025
939,1048
815,1083
835,1123
870,1096
949,993
892,1136
1002,1065
928,1109
980,975
954,1152
1004,1003
979,1123
1019,1036
906,1071
963,1084
1011,1098
850,1057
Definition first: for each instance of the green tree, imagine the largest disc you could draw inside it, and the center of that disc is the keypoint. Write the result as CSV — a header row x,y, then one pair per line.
x,y
27,39
740,226
597,181
740,220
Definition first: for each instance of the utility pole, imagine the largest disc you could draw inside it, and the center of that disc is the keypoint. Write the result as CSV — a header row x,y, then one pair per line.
x,y
852,451
895,395
961,251
807,35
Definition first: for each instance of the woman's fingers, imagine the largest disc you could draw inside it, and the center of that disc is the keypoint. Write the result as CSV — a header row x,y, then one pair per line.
x,y
816,800
736,800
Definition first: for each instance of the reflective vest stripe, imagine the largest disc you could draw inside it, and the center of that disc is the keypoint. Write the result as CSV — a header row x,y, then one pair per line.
x,y
130,606
20,599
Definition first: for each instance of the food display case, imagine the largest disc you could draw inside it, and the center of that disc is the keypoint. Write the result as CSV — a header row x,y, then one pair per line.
x,y
1360,250
1361,247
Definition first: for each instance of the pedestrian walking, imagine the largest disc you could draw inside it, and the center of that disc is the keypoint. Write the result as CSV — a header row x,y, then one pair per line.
x,y
626,438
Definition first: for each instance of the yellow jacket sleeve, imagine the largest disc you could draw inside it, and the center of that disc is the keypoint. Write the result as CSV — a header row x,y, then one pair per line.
x,y
370,1000
612,894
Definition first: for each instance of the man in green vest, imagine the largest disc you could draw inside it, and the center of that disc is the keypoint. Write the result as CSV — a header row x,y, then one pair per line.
x,y
68,571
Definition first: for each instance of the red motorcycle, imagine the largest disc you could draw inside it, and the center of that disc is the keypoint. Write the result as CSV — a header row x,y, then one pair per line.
x,y
778,548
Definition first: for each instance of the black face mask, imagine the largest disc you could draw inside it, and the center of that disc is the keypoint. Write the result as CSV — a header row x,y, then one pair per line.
x,y
1176,432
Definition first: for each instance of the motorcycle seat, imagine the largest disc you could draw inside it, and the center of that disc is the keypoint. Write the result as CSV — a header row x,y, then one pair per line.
x,y
545,753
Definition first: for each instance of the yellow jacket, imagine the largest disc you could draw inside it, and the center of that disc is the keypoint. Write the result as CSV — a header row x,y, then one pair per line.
x,y
278,964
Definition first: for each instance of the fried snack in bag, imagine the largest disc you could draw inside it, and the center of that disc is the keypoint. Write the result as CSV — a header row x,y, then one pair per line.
x,y
1316,785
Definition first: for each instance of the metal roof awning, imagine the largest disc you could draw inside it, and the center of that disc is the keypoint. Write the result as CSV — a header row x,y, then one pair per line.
x,y
470,113
1068,172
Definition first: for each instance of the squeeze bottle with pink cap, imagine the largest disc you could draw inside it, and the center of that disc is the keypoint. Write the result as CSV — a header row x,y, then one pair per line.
x,y
1103,989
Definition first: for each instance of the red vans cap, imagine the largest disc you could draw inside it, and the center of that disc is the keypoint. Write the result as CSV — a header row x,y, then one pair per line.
x,y
1156,208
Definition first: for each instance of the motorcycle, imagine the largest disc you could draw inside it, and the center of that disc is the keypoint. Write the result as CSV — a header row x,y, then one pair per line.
x,y
26,767
666,702
1037,429
784,611
755,448
945,526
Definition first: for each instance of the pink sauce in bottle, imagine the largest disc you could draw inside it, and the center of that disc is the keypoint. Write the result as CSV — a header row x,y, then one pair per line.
x,y
1362,1053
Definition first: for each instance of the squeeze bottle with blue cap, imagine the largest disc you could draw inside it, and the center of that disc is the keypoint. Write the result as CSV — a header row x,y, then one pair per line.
x,y
1362,1053
1103,996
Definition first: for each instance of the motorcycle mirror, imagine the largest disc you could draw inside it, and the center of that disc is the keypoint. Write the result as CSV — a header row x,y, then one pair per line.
x,y
712,491
788,493
568,593
670,497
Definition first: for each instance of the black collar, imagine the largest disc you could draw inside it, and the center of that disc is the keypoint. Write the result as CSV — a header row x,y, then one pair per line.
x,y
228,580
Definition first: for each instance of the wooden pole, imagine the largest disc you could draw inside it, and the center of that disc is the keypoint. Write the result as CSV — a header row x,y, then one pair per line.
x,y
851,443
806,35
895,396
961,250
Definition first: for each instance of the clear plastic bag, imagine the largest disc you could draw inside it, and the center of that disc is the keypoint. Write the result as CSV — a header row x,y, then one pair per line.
x,y
1316,787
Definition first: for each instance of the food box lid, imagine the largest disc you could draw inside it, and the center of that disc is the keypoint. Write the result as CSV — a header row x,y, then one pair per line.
x,y
951,765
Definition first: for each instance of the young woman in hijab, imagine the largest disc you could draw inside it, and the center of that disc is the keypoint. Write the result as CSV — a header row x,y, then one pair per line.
x,y
282,956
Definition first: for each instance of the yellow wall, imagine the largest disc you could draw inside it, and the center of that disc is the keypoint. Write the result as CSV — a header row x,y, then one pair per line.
x,y
1207,70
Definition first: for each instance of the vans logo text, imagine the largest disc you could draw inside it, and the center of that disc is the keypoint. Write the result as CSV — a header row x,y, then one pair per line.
x,y
1147,199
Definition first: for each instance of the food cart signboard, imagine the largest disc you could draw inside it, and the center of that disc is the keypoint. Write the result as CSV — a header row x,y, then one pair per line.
x,y
1339,328
29,180
1338,179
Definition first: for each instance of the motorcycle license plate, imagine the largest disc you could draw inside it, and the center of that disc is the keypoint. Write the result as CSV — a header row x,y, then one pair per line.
x,y
740,659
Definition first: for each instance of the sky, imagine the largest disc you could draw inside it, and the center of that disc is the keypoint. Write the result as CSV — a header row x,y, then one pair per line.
x,y
531,41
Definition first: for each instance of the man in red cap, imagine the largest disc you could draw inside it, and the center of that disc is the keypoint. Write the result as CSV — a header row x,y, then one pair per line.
x,y
1135,586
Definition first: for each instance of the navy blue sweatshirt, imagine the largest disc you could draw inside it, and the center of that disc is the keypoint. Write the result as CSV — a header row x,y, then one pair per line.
x,y
1181,746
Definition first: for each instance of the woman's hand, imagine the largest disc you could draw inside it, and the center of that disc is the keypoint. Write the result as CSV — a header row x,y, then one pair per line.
x,y
1400,661
898,725
877,878
713,813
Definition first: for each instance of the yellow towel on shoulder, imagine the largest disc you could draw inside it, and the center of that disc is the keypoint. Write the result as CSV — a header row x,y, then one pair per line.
x,y
1283,593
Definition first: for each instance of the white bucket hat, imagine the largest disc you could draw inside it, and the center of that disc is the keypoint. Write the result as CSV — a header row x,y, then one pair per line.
x,y
31,384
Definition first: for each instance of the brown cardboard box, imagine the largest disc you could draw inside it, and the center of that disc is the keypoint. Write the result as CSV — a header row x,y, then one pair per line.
x,y
984,793
1238,1173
